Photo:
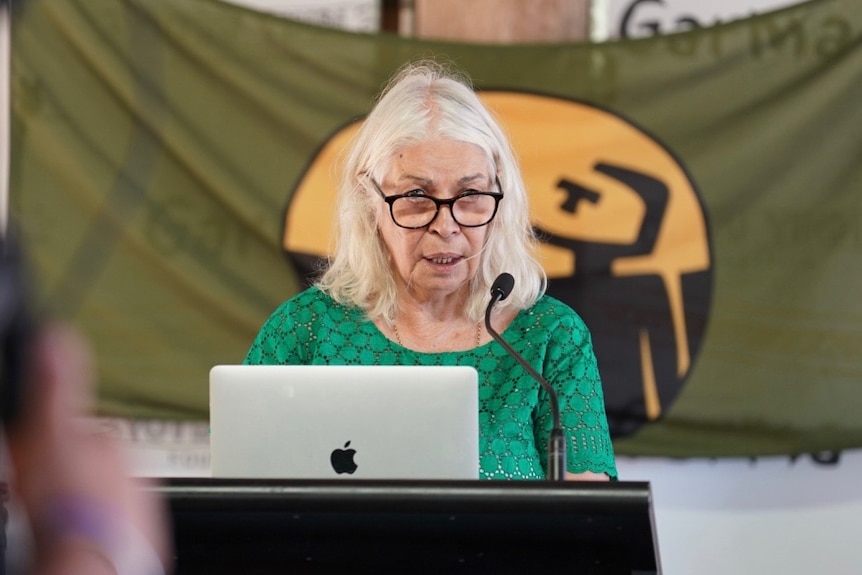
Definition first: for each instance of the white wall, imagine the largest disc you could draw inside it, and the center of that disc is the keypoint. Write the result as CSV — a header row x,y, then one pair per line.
x,y
764,517
354,15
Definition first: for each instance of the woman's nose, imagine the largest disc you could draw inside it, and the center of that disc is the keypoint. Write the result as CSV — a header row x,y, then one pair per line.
x,y
444,223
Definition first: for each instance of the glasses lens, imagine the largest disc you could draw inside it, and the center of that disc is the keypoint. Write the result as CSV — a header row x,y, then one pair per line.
x,y
474,209
471,210
413,212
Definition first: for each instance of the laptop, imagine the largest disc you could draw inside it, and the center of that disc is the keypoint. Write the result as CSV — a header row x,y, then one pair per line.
x,y
362,422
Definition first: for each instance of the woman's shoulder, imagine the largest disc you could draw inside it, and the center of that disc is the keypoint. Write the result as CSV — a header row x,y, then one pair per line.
x,y
553,319
314,302
547,311
301,299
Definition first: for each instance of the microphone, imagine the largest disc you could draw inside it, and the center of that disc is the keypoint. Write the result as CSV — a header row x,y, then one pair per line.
x,y
500,290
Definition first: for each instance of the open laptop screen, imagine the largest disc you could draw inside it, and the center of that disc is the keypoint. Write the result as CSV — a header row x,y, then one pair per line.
x,y
363,422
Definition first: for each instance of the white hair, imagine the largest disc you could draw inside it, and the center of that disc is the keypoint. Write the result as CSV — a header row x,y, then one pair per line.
x,y
424,100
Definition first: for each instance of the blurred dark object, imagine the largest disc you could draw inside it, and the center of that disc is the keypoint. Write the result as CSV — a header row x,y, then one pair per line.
x,y
16,328
16,4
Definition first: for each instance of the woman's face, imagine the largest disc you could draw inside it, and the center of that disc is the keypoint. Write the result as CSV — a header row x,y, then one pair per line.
x,y
439,260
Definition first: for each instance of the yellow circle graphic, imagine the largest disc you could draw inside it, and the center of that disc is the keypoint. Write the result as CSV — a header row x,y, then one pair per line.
x,y
624,233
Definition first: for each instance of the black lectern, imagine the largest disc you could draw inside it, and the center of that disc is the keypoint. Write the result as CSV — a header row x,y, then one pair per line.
x,y
259,527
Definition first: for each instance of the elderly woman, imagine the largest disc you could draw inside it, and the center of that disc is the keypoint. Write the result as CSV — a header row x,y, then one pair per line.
x,y
431,209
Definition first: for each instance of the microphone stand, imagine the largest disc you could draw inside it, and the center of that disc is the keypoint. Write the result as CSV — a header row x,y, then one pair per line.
x,y
557,440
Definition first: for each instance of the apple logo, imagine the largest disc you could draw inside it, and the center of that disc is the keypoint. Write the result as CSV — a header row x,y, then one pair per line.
x,y
342,460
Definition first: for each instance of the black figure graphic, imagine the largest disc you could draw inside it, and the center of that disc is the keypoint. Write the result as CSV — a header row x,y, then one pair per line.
x,y
629,316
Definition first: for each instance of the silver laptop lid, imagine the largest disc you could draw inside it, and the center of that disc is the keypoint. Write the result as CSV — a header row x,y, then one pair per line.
x,y
363,422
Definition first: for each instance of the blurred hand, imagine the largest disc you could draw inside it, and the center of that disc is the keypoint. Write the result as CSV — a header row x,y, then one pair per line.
x,y
69,475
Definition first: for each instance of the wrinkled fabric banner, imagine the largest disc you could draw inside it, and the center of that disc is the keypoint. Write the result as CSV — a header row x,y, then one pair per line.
x,y
698,196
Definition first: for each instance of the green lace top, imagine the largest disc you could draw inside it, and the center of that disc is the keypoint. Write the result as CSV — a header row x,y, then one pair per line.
x,y
515,418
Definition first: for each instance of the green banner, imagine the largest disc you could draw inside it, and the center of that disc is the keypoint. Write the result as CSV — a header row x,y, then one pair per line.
x,y
699,196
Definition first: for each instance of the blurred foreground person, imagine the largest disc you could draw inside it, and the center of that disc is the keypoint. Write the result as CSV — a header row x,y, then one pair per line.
x,y
85,514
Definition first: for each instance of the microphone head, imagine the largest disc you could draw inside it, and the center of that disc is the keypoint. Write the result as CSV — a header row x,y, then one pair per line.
x,y
502,286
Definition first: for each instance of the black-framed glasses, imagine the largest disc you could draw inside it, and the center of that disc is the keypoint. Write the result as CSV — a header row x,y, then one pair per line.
x,y
416,209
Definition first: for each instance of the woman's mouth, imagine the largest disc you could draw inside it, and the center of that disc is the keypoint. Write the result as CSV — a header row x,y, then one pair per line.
x,y
443,260
447,260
